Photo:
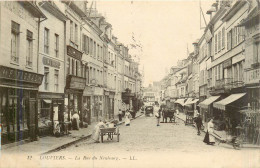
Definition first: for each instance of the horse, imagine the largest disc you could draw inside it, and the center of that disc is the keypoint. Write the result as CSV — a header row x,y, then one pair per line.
x,y
168,113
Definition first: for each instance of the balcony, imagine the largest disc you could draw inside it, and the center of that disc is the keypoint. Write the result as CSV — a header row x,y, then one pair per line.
x,y
228,83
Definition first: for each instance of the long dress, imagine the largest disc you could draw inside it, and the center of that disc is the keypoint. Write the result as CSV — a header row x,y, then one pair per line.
x,y
209,138
96,131
127,119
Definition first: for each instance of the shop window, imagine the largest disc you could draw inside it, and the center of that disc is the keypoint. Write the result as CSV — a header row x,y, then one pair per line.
x,y
45,113
15,30
46,78
29,48
3,112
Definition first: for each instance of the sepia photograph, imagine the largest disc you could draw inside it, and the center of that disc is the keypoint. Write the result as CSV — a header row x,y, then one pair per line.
x,y
130,83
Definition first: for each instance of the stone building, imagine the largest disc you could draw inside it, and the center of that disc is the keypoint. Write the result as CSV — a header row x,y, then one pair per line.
x,y
19,73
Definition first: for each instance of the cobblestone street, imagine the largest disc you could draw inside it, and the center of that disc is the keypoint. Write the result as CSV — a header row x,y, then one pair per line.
x,y
174,145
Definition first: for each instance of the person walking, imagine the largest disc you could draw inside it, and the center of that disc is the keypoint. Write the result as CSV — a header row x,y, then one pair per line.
x,y
75,121
209,138
198,121
120,114
127,118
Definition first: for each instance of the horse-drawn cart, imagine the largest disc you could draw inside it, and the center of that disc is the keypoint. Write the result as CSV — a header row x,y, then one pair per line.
x,y
110,132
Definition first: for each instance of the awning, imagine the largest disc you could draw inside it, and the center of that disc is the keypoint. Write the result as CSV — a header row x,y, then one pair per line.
x,y
180,101
188,101
222,103
47,101
192,102
205,104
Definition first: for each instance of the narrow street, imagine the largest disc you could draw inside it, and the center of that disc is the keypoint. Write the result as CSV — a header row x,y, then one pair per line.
x,y
175,144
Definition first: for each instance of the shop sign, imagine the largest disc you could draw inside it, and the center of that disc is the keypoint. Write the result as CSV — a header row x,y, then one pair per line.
x,y
227,63
74,53
19,75
50,62
74,82
252,76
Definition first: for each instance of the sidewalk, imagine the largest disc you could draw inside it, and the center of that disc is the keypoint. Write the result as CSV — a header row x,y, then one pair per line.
x,y
50,143
221,134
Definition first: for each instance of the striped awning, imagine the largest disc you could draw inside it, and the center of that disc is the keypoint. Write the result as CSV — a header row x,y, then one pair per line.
x,y
191,102
180,101
207,102
224,102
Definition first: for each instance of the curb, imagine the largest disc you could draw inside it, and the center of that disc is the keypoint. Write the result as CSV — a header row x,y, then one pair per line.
x,y
79,140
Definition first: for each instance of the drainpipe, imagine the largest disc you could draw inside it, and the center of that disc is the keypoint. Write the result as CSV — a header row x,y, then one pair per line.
x,y
38,47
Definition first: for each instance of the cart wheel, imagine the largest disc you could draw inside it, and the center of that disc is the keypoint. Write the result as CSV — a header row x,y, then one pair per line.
x,y
102,137
118,137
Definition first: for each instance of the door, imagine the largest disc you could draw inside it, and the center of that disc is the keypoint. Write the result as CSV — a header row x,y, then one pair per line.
x,y
32,119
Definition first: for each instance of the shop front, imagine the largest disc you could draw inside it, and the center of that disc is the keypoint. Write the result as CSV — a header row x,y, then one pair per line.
x,y
227,116
74,96
50,109
18,104
109,98
206,107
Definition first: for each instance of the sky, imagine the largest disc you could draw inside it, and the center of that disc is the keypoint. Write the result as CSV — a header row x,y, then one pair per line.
x,y
165,29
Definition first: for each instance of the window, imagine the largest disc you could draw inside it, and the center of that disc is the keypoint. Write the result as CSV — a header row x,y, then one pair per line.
x,y
229,40
241,71
15,42
234,37
71,31
56,80
85,44
98,51
101,53
216,43
72,67
46,41
91,47
29,48
46,78
95,49
219,41
256,57
76,34
68,66
56,45
223,37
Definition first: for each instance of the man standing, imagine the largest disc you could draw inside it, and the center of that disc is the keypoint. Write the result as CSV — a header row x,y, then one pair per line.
x,y
198,122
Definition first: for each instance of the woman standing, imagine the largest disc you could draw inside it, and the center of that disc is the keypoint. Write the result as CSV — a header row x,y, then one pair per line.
x,y
209,138
127,118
